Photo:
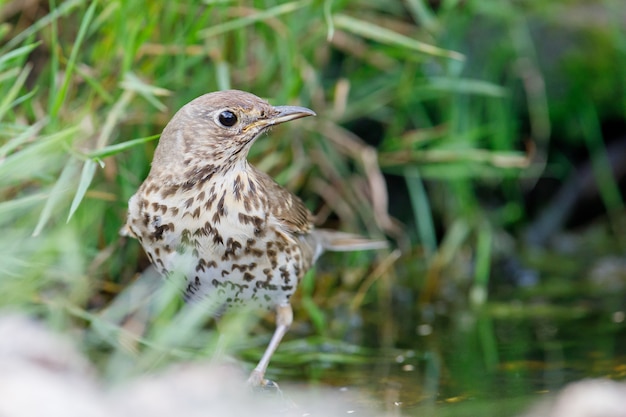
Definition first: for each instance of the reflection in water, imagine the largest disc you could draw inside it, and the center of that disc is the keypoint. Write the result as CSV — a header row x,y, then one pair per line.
x,y
496,360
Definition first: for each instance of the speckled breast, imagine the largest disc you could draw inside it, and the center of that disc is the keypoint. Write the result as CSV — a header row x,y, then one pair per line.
x,y
222,240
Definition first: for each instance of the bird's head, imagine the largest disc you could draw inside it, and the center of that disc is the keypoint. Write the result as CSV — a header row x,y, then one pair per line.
x,y
218,129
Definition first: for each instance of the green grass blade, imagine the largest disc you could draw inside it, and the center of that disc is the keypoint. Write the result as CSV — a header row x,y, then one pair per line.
x,y
58,12
120,147
63,184
316,315
20,164
24,50
458,233
503,159
421,210
8,75
422,14
71,64
18,206
465,86
20,139
86,176
248,20
113,117
328,18
95,84
9,98
132,83
223,76
478,294
605,180
380,34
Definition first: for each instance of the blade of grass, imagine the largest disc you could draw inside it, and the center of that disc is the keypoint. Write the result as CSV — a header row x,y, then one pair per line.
x,y
149,92
606,182
380,34
19,165
5,29
488,341
120,147
328,18
62,185
223,75
248,20
479,291
20,139
95,84
86,176
113,117
7,208
89,167
465,86
422,14
64,9
25,97
477,156
9,98
71,63
458,233
9,75
316,315
24,50
54,72
422,213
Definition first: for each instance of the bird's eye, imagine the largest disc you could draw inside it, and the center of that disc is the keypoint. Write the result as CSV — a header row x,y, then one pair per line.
x,y
227,118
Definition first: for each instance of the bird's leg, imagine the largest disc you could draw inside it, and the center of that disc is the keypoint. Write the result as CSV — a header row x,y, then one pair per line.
x,y
284,317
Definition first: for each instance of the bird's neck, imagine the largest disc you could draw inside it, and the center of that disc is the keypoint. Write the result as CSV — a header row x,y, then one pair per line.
x,y
200,171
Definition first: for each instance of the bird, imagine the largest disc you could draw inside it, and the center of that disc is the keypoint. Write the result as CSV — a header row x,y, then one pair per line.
x,y
236,236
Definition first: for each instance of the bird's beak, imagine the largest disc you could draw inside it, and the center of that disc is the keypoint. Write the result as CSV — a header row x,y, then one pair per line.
x,y
281,114
287,113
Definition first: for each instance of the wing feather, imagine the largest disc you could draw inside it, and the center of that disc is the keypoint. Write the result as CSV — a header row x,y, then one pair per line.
x,y
286,207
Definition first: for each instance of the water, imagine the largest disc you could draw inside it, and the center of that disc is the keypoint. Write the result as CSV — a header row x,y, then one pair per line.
x,y
492,360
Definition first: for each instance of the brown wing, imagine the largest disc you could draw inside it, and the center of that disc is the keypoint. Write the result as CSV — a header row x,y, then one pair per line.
x,y
287,208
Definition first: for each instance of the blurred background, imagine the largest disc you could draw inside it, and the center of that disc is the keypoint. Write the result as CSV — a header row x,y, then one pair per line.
x,y
485,139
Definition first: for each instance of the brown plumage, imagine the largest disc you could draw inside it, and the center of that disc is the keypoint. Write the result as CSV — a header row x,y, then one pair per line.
x,y
204,212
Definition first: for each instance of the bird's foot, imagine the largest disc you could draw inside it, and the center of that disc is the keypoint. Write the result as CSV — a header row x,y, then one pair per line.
x,y
258,383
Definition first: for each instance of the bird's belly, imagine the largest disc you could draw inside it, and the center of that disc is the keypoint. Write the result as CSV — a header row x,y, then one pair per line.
x,y
242,282
230,263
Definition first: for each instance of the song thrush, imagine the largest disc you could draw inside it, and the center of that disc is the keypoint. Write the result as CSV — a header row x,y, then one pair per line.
x,y
204,212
